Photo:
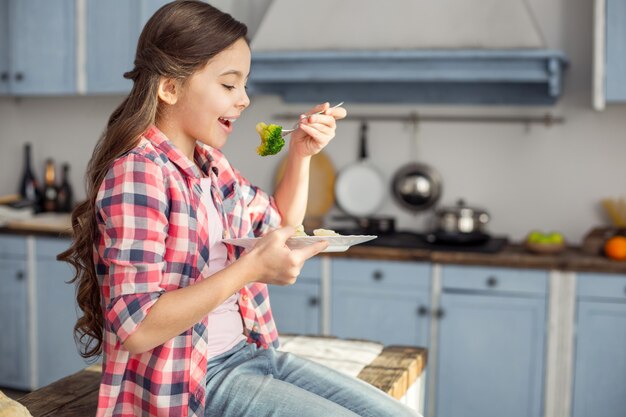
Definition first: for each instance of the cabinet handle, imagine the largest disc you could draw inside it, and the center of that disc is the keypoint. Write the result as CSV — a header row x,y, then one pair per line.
x,y
19,76
422,311
377,275
492,282
20,275
4,76
440,313
313,301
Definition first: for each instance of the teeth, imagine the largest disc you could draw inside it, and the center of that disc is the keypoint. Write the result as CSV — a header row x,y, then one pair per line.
x,y
230,120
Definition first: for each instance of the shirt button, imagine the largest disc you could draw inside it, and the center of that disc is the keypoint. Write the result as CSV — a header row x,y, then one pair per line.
x,y
255,328
224,234
244,297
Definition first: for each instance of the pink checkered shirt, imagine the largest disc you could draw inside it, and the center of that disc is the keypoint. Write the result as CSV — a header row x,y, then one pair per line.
x,y
149,242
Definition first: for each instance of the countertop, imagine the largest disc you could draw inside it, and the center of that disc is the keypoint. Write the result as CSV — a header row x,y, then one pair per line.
x,y
513,255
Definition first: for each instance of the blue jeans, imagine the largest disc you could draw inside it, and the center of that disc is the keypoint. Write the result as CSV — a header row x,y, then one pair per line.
x,y
248,381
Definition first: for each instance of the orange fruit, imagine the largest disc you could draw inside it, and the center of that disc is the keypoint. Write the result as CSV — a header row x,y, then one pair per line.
x,y
615,248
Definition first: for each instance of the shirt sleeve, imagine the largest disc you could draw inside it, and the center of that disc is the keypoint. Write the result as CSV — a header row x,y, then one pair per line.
x,y
264,214
132,210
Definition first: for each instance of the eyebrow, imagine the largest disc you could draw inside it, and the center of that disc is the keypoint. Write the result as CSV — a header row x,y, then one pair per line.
x,y
233,71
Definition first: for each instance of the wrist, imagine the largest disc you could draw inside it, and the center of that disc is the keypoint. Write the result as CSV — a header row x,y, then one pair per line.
x,y
248,268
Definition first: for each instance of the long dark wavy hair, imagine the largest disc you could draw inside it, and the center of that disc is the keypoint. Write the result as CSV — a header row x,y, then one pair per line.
x,y
179,39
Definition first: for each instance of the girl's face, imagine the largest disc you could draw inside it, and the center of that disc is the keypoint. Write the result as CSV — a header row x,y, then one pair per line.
x,y
211,99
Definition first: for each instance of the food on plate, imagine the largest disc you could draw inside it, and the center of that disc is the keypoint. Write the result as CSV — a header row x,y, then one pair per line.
x,y
615,248
325,232
271,139
300,231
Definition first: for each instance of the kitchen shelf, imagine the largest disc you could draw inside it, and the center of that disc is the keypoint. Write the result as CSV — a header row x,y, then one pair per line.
x,y
487,77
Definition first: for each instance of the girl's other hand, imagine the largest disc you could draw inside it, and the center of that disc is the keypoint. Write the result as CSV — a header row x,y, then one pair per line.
x,y
274,263
316,130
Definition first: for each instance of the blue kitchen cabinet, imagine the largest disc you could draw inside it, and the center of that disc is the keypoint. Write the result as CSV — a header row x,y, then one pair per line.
x,y
38,312
382,301
40,44
492,326
615,50
14,342
296,308
600,347
57,312
112,32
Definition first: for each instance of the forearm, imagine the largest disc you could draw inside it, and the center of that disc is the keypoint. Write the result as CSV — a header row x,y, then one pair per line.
x,y
292,192
178,310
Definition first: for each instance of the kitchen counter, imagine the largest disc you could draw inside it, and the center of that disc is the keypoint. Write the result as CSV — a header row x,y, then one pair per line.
x,y
513,255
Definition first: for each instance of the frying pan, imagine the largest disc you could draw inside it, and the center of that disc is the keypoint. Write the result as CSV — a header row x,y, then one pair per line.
x,y
359,188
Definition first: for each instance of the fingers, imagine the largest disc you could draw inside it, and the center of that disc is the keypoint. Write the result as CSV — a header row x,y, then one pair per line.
x,y
319,132
283,233
319,108
338,113
310,250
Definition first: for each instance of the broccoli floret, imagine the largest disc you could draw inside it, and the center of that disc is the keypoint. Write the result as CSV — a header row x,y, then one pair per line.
x,y
271,139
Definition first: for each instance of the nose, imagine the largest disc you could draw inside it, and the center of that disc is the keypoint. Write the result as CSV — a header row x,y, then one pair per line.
x,y
244,100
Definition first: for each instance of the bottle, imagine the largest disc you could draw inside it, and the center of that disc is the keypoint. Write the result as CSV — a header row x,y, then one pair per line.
x,y
65,195
50,191
29,189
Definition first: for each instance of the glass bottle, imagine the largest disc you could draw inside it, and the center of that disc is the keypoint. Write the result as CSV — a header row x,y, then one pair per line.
x,y
50,190
29,189
65,194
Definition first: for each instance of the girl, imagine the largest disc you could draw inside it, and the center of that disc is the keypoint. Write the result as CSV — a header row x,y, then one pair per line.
x,y
182,321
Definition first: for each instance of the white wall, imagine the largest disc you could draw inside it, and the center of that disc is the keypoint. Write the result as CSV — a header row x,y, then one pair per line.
x,y
550,178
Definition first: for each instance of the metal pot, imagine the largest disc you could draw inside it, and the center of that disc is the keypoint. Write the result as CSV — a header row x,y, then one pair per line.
x,y
416,186
461,219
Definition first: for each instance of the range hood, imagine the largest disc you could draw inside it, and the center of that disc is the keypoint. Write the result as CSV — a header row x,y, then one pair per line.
x,y
409,51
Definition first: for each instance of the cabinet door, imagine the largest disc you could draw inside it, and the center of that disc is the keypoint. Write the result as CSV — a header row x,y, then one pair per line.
x,y
296,308
42,46
600,364
14,347
491,353
616,50
388,302
113,29
57,353
4,46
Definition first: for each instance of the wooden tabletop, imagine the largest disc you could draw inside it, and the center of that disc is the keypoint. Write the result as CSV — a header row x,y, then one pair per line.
x,y
393,371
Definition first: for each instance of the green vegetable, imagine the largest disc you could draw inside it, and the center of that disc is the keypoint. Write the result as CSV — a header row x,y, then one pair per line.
x,y
271,139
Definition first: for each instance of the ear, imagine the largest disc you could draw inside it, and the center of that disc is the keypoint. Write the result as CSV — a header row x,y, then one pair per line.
x,y
169,90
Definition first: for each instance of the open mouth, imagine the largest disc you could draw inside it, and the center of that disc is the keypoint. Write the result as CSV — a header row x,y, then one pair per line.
x,y
226,122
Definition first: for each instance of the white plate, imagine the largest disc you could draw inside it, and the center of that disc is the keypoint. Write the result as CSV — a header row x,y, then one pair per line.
x,y
336,243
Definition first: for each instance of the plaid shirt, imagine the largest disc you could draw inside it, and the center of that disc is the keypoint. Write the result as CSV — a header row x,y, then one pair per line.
x,y
150,241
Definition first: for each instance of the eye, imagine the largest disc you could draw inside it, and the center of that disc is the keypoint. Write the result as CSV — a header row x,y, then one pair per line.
x,y
228,87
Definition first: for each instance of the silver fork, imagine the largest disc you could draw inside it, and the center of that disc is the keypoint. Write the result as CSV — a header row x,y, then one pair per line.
x,y
286,132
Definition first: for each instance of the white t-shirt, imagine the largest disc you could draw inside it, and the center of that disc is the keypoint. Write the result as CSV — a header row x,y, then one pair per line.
x,y
225,328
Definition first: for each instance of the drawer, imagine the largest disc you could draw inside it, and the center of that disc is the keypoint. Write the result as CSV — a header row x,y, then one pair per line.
x,y
494,279
601,285
50,247
12,247
404,275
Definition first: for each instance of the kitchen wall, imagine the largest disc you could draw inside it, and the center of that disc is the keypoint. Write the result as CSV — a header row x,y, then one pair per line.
x,y
526,177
